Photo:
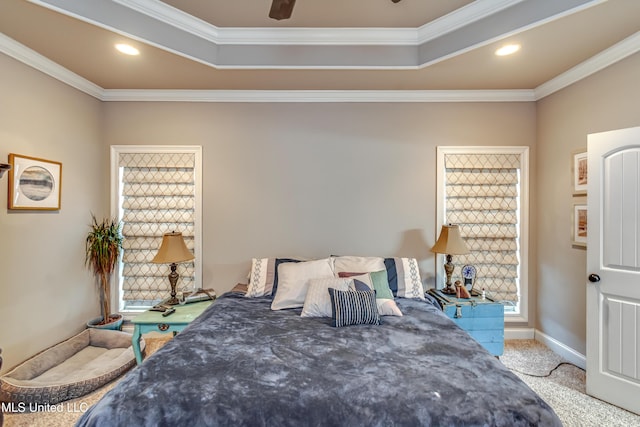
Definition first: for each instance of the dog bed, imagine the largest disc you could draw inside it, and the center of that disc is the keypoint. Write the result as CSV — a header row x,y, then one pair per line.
x,y
71,369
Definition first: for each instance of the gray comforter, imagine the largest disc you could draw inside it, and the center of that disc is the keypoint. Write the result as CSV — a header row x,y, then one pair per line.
x,y
242,364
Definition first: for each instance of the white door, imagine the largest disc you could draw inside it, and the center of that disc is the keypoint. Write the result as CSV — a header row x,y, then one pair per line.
x,y
613,268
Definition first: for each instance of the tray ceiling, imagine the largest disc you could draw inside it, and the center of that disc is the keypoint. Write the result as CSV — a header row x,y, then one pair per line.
x,y
330,45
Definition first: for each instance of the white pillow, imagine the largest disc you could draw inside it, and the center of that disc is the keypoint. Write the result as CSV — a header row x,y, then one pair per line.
x,y
387,307
358,264
293,281
262,277
318,301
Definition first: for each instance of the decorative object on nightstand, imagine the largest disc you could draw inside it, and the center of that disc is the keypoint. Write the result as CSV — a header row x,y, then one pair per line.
x,y
172,251
450,243
469,276
199,295
461,290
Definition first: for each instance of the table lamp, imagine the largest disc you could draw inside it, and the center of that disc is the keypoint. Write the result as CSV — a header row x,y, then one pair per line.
x,y
450,243
172,251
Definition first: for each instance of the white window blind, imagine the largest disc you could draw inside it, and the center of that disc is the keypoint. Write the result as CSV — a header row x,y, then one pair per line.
x,y
157,193
483,194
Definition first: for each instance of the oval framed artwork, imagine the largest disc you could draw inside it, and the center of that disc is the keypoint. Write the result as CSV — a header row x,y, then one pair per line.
x,y
34,184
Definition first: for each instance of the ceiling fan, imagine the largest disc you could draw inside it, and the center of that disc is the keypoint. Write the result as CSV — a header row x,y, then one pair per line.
x,y
281,9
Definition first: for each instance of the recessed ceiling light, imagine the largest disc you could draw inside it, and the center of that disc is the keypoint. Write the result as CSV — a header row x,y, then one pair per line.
x,y
127,49
508,49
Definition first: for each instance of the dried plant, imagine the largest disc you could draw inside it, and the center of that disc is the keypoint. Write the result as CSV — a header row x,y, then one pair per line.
x,y
103,246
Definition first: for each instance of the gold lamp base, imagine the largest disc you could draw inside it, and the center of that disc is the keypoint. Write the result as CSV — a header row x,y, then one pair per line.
x,y
173,280
448,269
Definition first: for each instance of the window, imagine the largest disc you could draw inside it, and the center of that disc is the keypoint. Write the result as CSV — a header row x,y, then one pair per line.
x,y
155,190
485,191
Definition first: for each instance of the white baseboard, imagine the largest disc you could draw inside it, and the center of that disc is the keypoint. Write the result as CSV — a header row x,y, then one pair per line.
x,y
519,333
561,349
553,344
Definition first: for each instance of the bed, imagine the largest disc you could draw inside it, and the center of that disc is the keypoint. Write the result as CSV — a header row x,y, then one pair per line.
x,y
243,363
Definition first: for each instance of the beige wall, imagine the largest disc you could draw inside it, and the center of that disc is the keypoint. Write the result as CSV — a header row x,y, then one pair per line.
x,y
318,179
46,295
605,101
290,179
279,179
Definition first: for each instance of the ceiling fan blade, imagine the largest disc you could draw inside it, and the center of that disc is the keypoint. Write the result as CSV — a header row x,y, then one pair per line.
x,y
281,9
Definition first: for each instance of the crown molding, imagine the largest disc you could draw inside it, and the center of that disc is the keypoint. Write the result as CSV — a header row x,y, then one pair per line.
x,y
169,15
27,56
600,61
319,36
269,36
459,18
304,96
316,36
610,56
33,59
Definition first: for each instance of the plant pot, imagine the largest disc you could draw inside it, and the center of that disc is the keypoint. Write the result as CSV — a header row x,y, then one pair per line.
x,y
115,324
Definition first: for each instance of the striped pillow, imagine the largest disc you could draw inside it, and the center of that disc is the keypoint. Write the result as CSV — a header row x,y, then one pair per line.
x,y
353,308
404,277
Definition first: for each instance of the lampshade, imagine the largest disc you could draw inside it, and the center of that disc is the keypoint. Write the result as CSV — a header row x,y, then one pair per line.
x,y
173,249
450,242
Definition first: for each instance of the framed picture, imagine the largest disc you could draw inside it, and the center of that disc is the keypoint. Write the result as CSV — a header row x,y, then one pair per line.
x,y
579,234
34,184
580,173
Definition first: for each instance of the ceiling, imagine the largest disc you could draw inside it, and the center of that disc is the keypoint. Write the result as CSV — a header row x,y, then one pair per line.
x,y
327,45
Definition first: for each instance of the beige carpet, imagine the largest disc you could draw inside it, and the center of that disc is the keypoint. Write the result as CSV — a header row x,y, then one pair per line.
x,y
562,387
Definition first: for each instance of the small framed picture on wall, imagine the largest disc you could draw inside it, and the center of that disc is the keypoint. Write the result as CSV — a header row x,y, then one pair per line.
x,y
579,234
34,183
580,173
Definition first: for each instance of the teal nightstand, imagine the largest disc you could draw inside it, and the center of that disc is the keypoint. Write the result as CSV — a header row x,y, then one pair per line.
x,y
482,319
153,321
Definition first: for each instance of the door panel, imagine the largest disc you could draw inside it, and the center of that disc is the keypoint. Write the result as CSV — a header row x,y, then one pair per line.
x,y
622,333
613,253
621,210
